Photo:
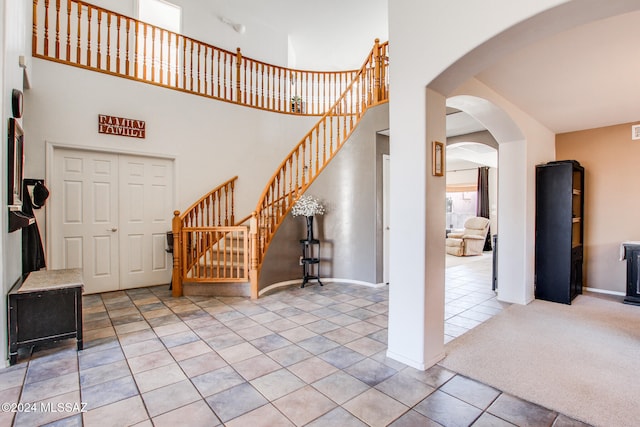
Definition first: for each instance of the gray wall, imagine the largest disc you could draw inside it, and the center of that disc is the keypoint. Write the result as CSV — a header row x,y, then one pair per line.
x,y
350,188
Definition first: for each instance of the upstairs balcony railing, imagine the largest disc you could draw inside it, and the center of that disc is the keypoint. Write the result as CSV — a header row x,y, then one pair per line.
x,y
83,35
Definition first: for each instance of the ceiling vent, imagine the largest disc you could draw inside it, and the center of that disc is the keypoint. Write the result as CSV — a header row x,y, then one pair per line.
x,y
635,132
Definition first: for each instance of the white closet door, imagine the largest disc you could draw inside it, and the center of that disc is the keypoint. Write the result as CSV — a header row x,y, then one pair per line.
x,y
84,209
109,216
146,195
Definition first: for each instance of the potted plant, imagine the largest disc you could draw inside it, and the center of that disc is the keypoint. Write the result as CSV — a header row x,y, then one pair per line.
x,y
296,104
308,206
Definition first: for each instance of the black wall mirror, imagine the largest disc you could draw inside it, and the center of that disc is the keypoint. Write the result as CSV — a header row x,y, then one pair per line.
x,y
16,164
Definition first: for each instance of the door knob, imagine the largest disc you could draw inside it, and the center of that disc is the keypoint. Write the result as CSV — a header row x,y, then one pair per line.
x,y
113,230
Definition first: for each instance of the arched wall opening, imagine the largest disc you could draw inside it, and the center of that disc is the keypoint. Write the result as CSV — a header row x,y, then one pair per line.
x,y
421,85
514,285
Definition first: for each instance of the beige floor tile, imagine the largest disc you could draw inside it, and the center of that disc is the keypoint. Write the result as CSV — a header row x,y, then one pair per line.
x,y
364,328
132,327
342,335
136,337
12,377
159,377
238,353
171,329
216,381
405,389
125,412
150,361
152,314
123,312
311,370
340,387
168,398
265,416
6,418
256,367
49,388
70,405
366,346
304,405
99,333
142,347
297,334
189,350
201,364
277,384
375,408
196,414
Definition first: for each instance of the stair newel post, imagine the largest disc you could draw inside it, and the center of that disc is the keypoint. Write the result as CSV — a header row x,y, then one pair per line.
x,y
176,228
238,76
253,273
377,71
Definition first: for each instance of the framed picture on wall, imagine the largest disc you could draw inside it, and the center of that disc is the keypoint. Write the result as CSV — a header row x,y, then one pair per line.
x,y
438,158
16,164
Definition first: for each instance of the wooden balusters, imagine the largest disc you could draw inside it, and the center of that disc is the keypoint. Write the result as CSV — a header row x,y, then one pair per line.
x,y
99,48
238,76
171,60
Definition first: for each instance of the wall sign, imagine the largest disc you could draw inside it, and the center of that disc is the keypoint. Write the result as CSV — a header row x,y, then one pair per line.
x,y
120,126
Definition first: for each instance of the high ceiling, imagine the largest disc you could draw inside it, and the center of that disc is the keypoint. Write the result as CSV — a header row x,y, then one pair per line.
x,y
583,78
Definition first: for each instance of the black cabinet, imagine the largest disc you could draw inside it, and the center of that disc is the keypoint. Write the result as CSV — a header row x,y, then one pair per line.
x,y
632,255
46,307
310,260
559,231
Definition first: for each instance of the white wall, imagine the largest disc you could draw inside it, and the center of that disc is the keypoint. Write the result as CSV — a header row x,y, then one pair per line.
x,y
418,60
523,143
12,42
211,140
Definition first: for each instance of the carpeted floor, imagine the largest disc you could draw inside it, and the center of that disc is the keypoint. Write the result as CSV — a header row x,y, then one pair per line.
x,y
581,359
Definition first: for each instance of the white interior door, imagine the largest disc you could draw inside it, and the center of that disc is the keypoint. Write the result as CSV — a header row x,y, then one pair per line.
x,y
146,193
109,216
84,209
386,209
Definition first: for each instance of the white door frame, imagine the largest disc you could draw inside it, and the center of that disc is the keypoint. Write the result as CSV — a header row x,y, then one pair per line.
x,y
386,158
50,148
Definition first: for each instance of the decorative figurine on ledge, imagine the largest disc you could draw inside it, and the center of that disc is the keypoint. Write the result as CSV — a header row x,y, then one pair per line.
x,y
308,206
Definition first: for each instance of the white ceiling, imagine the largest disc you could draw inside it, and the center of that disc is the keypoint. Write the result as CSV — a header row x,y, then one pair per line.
x,y
584,78
580,79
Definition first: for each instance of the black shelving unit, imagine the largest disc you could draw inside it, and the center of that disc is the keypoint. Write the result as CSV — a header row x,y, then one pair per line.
x,y
559,231
310,261
632,255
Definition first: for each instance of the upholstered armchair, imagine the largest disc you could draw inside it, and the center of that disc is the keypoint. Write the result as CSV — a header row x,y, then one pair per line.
x,y
471,240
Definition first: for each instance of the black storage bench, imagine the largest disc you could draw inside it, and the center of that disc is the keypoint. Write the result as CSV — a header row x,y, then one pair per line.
x,y
45,307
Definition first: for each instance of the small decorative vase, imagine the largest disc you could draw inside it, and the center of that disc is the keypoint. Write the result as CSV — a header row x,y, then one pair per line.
x,y
309,228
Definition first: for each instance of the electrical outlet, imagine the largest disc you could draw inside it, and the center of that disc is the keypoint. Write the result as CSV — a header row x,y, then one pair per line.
x,y
300,261
635,132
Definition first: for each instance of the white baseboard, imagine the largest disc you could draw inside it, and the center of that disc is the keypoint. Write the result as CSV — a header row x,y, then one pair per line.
x,y
324,280
604,291
422,366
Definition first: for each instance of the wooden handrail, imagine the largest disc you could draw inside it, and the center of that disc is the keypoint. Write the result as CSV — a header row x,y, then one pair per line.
x,y
214,209
101,40
316,149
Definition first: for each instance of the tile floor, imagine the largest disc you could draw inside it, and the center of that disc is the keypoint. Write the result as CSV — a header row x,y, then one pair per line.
x,y
313,357
469,300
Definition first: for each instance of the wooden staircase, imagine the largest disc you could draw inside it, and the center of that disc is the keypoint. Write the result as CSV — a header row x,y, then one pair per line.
x,y
210,246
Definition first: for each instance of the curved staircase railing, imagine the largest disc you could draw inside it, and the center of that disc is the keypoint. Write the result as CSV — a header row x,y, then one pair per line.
x,y
316,149
207,244
79,34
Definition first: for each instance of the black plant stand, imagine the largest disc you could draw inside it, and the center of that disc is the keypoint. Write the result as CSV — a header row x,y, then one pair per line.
x,y
310,255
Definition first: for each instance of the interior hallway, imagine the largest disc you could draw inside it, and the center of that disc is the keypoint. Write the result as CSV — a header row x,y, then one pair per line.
x,y
313,356
469,300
